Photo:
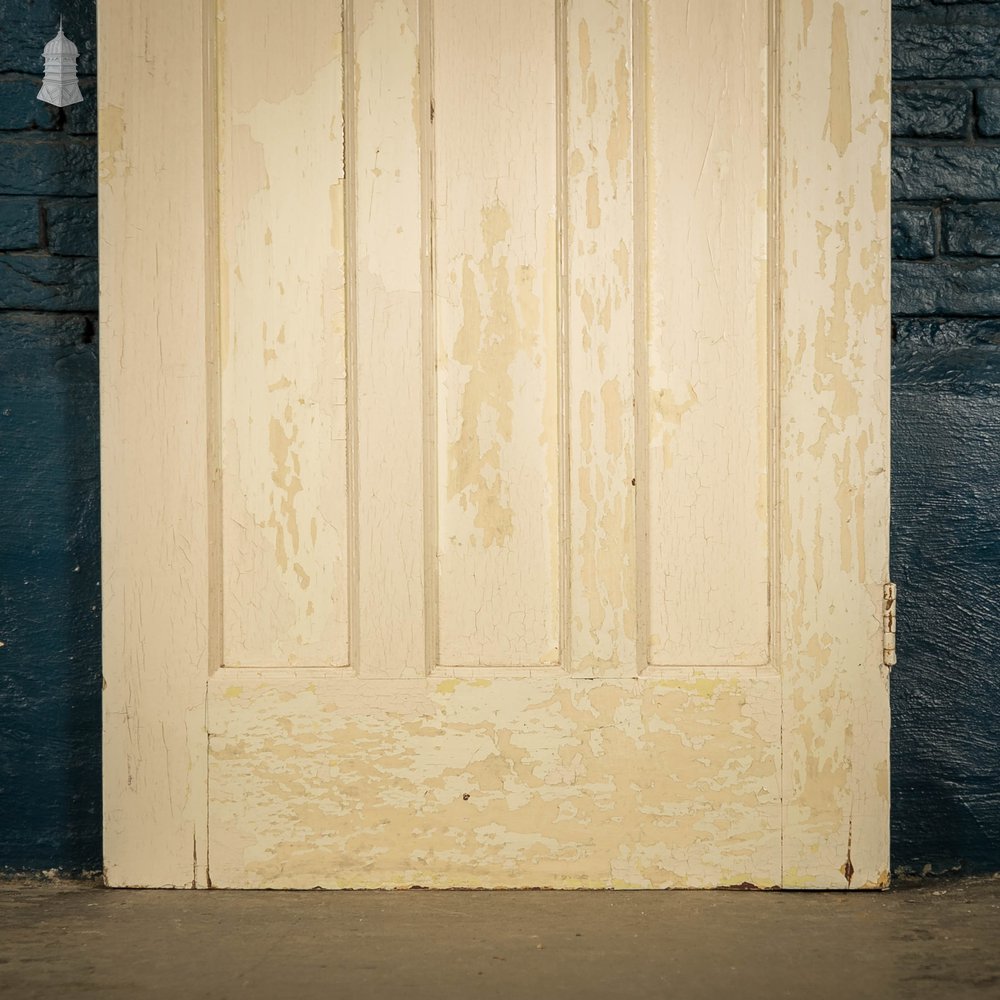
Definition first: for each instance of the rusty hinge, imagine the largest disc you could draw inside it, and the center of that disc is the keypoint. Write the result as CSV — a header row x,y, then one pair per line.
x,y
889,625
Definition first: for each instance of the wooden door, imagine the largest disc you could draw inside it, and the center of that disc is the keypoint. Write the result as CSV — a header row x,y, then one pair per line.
x,y
495,435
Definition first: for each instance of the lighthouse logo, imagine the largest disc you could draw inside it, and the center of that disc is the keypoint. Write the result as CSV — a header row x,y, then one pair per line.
x,y
60,86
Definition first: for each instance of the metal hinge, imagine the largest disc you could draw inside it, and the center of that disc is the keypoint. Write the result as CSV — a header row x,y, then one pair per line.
x,y
889,625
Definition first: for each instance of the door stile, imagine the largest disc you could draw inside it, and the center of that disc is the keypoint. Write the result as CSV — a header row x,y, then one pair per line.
x,y
424,98
601,370
395,579
834,505
563,359
640,334
156,493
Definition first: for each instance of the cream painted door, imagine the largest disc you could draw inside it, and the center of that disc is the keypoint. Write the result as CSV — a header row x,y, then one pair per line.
x,y
495,429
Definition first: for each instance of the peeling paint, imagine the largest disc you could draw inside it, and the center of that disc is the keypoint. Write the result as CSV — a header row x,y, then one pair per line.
x,y
113,159
839,123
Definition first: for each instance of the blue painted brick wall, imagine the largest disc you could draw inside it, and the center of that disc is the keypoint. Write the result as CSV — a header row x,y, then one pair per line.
x,y
946,434
49,513
946,398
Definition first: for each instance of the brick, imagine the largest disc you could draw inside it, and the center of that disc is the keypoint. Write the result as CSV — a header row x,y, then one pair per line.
x,y
946,288
931,112
20,225
38,281
81,119
988,107
20,107
47,165
27,26
71,225
922,51
913,333
973,230
23,334
921,173
913,232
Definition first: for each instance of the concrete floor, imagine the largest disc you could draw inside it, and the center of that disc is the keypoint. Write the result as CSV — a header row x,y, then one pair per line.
x,y
938,939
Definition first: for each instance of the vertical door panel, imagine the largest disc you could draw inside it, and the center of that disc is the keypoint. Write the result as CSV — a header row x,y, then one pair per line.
x,y
709,315
284,390
494,295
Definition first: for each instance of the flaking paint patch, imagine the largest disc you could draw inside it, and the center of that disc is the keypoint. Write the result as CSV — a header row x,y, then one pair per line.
x,y
593,203
619,145
498,310
114,160
286,478
584,52
839,122
668,413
